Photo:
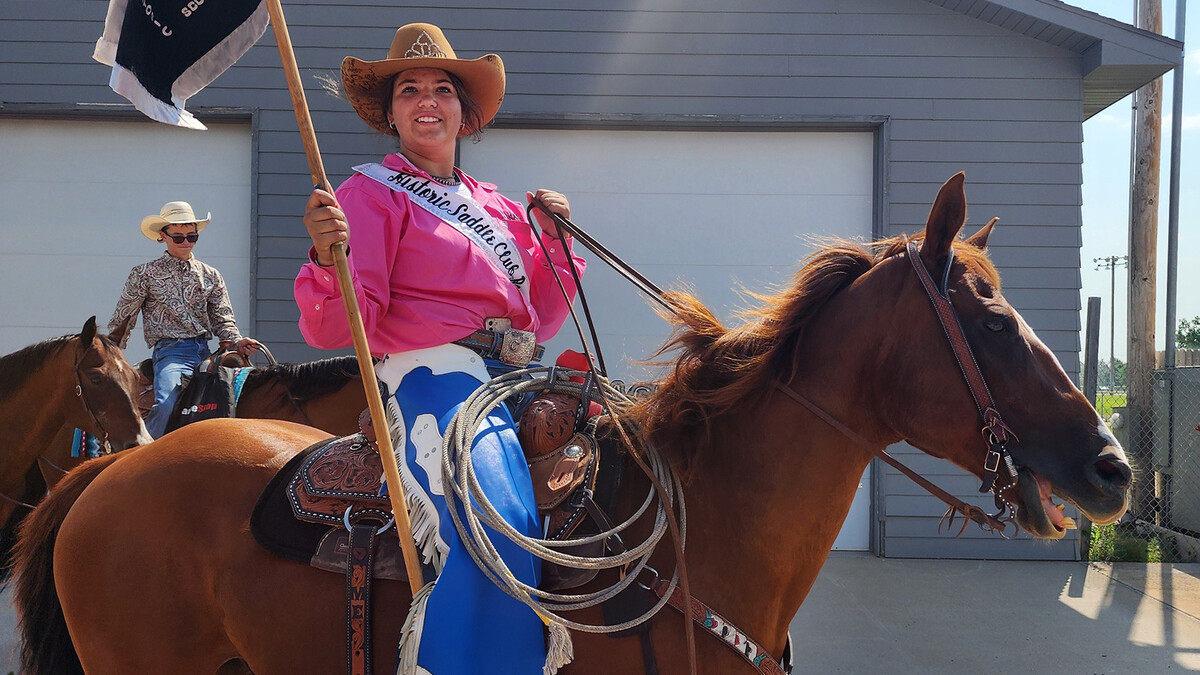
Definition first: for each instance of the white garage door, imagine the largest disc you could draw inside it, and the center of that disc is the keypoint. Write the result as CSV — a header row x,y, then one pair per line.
x,y
74,193
714,211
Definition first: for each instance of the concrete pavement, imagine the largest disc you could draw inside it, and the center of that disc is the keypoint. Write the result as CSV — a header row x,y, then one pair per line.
x,y
948,617
869,615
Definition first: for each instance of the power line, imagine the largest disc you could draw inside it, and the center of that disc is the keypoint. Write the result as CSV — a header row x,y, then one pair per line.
x,y
1111,263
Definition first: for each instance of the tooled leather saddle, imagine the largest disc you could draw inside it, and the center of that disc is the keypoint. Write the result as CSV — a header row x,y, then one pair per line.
x,y
306,511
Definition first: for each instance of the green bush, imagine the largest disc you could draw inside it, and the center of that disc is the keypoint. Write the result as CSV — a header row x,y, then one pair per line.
x,y
1119,543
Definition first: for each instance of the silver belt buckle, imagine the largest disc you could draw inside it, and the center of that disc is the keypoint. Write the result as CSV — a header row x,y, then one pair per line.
x,y
518,348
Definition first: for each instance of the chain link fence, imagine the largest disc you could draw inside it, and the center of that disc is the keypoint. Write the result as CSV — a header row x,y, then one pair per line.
x,y
1162,439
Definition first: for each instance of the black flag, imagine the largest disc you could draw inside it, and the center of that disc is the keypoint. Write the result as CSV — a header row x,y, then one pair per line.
x,y
164,51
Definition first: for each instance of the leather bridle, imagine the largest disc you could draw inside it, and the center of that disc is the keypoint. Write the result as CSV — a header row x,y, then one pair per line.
x,y
997,461
83,400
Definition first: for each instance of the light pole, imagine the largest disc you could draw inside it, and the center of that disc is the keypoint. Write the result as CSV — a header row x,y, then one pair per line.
x,y
1111,263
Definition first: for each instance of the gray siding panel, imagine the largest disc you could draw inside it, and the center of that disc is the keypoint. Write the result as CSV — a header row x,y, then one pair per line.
x,y
957,92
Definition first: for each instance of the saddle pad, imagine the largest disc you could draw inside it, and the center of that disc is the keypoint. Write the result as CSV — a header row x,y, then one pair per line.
x,y
272,522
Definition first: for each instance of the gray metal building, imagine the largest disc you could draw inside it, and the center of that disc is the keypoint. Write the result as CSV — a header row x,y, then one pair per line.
x,y
698,138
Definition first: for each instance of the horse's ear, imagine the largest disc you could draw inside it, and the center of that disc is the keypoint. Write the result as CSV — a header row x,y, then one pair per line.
x,y
86,336
979,239
89,331
946,218
122,332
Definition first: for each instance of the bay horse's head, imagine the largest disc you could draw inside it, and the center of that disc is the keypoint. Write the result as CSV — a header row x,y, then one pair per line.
x,y
1058,442
106,388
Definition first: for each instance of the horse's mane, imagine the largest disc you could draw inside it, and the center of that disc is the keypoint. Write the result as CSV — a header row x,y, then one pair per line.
x,y
17,367
721,370
306,381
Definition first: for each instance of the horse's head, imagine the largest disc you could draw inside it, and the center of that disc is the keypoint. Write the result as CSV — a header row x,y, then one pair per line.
x,y
107,389
1058,443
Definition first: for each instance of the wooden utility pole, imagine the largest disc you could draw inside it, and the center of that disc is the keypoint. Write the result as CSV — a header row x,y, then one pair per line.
x,y
1143,238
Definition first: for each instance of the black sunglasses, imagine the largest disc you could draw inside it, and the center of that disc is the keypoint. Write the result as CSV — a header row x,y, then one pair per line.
x,y
180,238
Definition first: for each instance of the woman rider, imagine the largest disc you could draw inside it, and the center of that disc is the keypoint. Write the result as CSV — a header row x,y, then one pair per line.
x,y
450,282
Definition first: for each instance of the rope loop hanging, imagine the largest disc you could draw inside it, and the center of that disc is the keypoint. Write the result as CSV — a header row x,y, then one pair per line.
x,y
463,489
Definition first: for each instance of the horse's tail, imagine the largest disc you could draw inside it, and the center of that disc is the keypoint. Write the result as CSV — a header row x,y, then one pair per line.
x,y
46,646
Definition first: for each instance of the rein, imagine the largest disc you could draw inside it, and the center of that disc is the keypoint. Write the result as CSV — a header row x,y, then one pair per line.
x,y
18,502
674,523
995,432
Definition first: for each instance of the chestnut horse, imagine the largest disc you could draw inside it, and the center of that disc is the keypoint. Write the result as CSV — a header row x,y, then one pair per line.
x,y
144,563
79,381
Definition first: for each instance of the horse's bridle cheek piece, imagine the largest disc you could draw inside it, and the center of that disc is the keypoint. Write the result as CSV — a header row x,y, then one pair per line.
x,y
997,461
995,432
83,400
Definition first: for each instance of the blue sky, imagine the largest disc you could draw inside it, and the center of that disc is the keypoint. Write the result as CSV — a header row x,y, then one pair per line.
x,y
1106,159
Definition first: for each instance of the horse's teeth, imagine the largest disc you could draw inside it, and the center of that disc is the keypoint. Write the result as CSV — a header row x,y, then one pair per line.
x,y
1068,523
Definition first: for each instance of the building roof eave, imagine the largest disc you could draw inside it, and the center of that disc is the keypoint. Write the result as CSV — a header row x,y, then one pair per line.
x,y
1117,58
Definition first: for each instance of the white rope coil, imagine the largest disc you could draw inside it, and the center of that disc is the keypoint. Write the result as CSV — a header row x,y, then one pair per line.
x,y
458,474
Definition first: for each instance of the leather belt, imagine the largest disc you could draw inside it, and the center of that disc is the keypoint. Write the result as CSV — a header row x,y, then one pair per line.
x,y
512,347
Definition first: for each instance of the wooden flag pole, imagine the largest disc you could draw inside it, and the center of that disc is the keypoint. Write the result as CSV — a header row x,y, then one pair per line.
x,y
365,366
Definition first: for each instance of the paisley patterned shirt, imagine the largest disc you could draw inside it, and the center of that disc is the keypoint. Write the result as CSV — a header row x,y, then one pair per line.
x,y
178,299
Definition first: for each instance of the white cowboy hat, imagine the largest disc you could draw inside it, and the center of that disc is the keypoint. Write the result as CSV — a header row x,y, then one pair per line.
x,y
172,213
368,84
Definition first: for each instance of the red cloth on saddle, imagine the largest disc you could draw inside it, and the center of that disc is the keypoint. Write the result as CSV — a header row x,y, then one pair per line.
x,y
577,361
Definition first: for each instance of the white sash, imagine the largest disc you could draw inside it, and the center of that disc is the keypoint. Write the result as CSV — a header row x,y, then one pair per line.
x,y
460,212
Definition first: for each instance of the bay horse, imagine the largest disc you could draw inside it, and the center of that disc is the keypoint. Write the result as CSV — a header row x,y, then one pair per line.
x,y
79,381
144,563
326,394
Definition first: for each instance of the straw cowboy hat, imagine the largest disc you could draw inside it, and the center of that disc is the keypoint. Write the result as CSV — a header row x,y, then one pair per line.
x,y
367,84
172,213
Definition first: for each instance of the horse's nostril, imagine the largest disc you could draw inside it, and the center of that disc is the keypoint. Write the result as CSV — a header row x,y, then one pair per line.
x,y
1111,474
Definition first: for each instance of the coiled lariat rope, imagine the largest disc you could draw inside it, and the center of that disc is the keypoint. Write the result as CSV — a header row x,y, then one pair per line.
x,y
458,473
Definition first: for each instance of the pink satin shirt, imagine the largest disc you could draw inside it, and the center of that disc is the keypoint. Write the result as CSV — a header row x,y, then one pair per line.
x,y
420,282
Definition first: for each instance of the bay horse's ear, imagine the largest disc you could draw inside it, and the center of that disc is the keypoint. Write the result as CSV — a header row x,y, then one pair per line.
x,y
86,336
946,218
979,239
122,332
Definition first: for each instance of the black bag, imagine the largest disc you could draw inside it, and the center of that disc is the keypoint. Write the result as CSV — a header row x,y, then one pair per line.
x,y
210,392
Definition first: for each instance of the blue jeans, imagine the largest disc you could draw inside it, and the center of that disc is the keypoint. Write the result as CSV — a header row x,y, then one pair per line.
x,y
173,357
516,403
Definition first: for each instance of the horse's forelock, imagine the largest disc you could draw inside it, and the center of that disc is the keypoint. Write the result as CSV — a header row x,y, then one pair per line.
x,y
107,341
979,262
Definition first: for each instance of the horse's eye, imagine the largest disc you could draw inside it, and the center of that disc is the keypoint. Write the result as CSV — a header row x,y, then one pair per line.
x,y
996,324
